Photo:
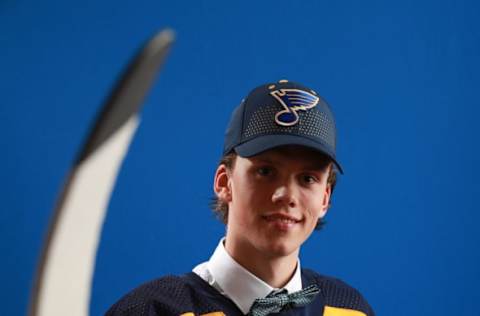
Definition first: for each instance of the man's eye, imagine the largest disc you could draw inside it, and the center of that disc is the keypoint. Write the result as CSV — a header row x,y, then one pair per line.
x,y
264,171
309,179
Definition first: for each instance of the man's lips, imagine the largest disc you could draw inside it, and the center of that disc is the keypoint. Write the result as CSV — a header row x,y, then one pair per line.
x,y
281,217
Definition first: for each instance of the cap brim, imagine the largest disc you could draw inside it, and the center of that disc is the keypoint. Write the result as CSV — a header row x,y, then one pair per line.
x,y
262,143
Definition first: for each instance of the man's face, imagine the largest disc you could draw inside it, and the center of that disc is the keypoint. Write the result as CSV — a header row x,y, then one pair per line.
x,y
275,200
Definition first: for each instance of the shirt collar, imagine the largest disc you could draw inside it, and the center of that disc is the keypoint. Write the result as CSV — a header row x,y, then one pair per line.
x,y
240,285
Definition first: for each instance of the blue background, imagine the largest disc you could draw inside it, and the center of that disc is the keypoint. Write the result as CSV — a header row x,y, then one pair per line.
x,y
401,76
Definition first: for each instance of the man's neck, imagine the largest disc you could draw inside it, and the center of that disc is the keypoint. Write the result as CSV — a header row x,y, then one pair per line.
x,y
275,271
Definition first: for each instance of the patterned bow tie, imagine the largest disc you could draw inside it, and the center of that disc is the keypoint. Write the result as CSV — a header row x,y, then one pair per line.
x,y
278,301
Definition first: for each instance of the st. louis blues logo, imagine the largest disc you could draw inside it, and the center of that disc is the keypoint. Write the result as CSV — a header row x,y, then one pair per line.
x,y
293,100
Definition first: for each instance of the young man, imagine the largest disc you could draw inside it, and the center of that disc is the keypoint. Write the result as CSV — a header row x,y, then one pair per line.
x,y
273,188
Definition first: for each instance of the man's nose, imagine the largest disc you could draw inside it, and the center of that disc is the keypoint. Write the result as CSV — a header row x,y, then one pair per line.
x,y
285,194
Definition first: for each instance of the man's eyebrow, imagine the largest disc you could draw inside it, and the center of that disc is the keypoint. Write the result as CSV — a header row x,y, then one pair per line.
x,y
318,166
262,160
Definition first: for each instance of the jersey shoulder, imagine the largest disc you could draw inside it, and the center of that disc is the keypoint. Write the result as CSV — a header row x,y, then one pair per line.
x,y
163,296
339,295
172,295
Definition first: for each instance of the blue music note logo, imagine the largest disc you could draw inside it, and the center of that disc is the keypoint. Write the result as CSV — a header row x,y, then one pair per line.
x,y
293,100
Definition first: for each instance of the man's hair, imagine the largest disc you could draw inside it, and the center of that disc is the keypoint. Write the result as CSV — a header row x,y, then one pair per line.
x,y
220,208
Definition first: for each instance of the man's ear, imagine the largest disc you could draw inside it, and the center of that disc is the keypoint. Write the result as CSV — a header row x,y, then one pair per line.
x,y
326,200
221,184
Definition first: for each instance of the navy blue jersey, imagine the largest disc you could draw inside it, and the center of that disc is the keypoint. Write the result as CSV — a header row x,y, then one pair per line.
x,y
190,295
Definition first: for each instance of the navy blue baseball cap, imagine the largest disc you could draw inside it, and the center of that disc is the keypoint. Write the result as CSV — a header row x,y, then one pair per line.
x,y
281,113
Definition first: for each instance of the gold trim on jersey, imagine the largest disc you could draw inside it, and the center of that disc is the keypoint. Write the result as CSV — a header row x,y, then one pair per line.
x,y
336,311
209,314
328,311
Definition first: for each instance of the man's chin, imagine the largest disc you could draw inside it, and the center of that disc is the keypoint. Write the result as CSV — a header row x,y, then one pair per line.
x,y
280,249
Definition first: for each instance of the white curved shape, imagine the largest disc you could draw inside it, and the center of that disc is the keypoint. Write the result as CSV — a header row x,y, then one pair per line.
x,y
66,284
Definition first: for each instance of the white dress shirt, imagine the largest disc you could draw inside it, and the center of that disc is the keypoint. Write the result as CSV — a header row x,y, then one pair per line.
x,y
237,283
